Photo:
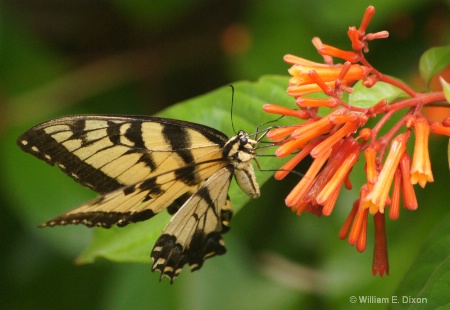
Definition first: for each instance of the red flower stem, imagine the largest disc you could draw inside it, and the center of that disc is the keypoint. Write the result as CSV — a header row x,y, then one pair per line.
x,y
396,83
424,99
385,78
395,107
384,140
394,129
352,108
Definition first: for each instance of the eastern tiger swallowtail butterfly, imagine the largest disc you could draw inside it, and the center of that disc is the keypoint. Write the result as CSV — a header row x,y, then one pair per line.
x,y
142,165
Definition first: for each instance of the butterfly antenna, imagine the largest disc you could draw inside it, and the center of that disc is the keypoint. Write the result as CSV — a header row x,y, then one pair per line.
x,y
232,104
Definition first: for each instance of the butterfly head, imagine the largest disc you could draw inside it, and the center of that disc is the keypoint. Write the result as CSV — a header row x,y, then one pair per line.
x,y
240,148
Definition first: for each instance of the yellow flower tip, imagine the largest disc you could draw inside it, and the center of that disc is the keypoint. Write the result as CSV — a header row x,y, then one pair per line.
x,y
373,205
421,178
421,166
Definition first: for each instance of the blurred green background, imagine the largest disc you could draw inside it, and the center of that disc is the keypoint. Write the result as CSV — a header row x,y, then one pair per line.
x,y
139,57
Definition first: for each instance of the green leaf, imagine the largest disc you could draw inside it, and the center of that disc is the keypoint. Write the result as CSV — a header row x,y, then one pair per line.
x,y
446,88
364,97
128,244
134,242
434,61
429,277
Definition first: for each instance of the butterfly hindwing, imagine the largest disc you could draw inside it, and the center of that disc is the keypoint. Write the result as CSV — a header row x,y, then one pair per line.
x,y
195,232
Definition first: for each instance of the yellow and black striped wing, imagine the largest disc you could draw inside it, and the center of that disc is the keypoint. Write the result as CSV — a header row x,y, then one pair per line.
x,y
106,152
143,165
195,231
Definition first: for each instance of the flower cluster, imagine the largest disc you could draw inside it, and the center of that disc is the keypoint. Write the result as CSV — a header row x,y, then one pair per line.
x,y
337,140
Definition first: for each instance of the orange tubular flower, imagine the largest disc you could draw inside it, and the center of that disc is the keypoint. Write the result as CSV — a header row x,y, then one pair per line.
x,y
371,170
394,210
336,139
303,102
376,199
296,91
359,226
421,166
300,74
275,109
294,161
337,180
348,222
297,194
335,52
281,133
408,194
333,139
295,60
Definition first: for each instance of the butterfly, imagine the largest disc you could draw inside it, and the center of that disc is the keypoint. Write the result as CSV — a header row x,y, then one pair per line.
x,y
143,165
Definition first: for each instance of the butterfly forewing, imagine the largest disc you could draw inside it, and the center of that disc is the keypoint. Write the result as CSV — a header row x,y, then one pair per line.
x,y
142,165
107,152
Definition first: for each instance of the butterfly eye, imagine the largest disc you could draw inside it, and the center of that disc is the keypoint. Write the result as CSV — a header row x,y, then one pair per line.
x,y
243,139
